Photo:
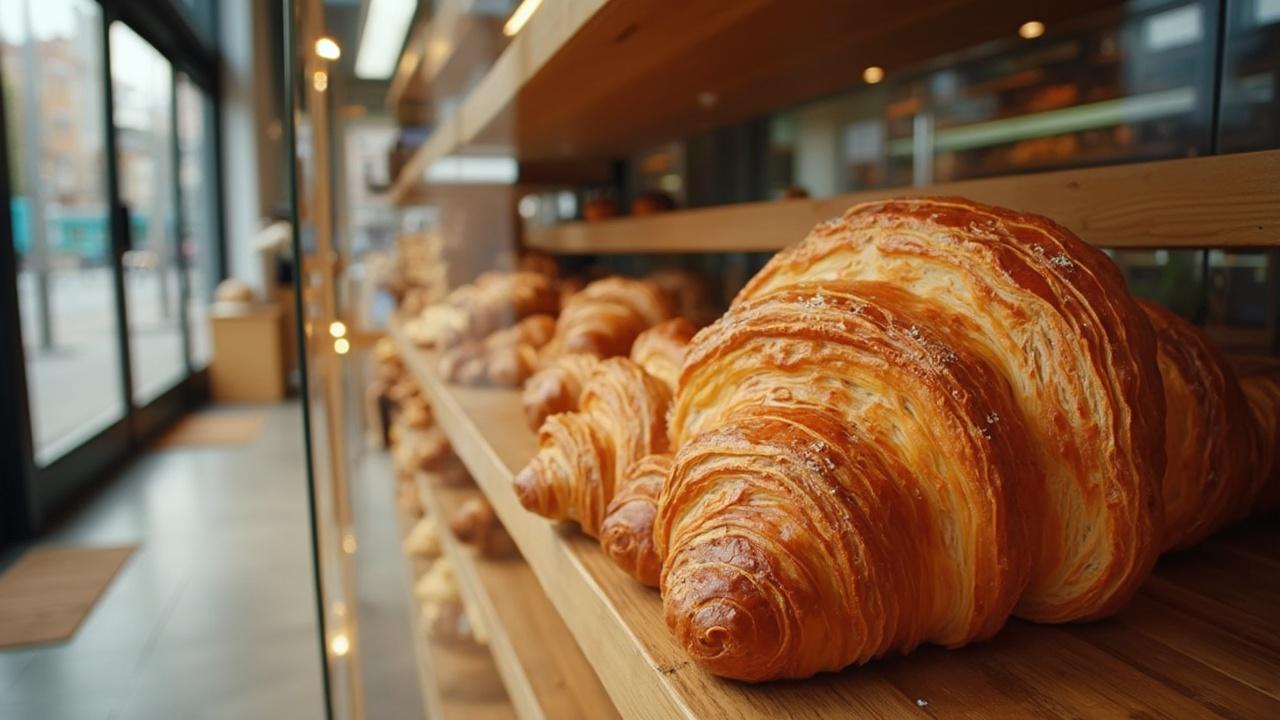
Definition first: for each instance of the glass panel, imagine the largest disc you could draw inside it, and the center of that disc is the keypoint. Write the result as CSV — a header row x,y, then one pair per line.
x,y
196,189
142,81
1250,117
52,61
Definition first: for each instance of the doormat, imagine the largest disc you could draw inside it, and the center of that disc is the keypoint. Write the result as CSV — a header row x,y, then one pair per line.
x,y
214,429
49,591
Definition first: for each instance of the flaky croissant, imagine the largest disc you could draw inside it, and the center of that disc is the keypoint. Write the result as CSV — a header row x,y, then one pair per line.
x,y
928,414
607,315
1211,478
622,418
476,524
626,535
1262,390
660,349
512,354
556,388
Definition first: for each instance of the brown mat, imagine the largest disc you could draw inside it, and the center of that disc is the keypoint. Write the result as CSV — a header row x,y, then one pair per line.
x,y
49,591
214,429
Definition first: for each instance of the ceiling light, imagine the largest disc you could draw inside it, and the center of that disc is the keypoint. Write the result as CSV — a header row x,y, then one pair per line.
x,y
873,75
520,17
385,26
1031,29
327,48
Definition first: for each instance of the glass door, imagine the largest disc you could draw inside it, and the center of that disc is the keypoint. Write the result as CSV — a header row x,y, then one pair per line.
x,y
142,94
60,219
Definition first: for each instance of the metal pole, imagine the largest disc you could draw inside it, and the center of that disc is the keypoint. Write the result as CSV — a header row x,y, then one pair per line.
x,y
38,251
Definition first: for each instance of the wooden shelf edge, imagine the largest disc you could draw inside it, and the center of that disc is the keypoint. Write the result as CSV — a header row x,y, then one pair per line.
x,y
1222,201
558,684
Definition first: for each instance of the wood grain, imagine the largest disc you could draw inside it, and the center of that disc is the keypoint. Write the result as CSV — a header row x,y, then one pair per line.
x,y
1221,201
544,672
1168,654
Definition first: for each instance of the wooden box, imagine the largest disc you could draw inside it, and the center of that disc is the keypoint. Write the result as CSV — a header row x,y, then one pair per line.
x,y
248,357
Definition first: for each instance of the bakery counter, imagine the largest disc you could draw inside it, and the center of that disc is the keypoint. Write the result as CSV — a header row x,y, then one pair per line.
x,y
1202,639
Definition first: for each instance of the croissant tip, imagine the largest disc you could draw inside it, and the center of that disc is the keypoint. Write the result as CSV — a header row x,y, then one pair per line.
x,y
526,485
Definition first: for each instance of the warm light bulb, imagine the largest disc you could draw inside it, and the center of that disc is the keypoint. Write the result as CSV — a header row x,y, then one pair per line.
x,y
320,81
340,645
327,48
1031,30
520,17
342,346
349,544
337,329
873,75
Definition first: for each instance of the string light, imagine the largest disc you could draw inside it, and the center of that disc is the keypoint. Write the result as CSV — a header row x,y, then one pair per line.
x,y
1031,29
873,75
337,329
342,346
327,48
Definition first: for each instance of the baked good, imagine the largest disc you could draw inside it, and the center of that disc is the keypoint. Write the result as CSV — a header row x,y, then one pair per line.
x,y
651,203
660,350
1261,385
626,535
621,418
605,318
512,354
599,208
689,292
557,387
929,414
1211,477
475,524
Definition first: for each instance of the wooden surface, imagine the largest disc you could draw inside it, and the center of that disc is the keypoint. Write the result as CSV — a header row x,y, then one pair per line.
x,y
1222,201
545,673
458,680
248,356
50,590
1201,640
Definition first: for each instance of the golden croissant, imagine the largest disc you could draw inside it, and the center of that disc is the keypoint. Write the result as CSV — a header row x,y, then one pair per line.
x,y
1211,477
607,315
626,535
621,418
927,416
556,388
1262,390
660,349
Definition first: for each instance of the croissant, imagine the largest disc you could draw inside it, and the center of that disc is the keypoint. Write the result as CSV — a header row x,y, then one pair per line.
x,y
496,300
1210,479
475,524
626,535
621,418
605,318
556,387
512,354
1262,391
660,349
928,415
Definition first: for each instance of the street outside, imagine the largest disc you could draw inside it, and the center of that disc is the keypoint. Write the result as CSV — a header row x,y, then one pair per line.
x,y
74,387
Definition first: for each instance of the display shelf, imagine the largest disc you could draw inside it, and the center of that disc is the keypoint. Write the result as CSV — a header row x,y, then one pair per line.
x,y
1220,201
544,672
1199,641
601,78
458,680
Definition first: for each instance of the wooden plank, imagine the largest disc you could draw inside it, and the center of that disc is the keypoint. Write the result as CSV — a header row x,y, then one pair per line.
x,y
458,681
1221,201
1155,659
544,672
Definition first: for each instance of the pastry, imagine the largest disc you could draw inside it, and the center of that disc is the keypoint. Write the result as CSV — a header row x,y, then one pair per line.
x,y
927,416
475,524
556,388
660,350
621,419
605,318
626,535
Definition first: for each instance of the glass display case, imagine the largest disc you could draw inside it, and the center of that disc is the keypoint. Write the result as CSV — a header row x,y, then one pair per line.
x,y
466,171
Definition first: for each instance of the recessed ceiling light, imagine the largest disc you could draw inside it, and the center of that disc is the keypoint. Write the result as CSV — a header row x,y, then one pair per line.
x,y
1031,29
873,75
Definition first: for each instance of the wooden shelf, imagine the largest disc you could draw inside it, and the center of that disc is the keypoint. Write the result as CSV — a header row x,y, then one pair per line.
x,y
544,672
1220,201
458,681
601,78
1202,639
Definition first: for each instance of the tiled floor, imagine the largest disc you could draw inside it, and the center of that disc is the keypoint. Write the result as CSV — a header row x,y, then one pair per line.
x,y
213,616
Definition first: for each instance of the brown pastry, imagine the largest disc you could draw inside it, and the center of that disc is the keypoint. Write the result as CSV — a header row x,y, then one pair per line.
x,y
512,354
929,414
1262,390
556,388
626,535
1211,478
580,454
475,524
651,203
605,318
660,350
600,208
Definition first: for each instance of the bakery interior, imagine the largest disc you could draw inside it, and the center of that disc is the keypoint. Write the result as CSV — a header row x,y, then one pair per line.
x,y
625,358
